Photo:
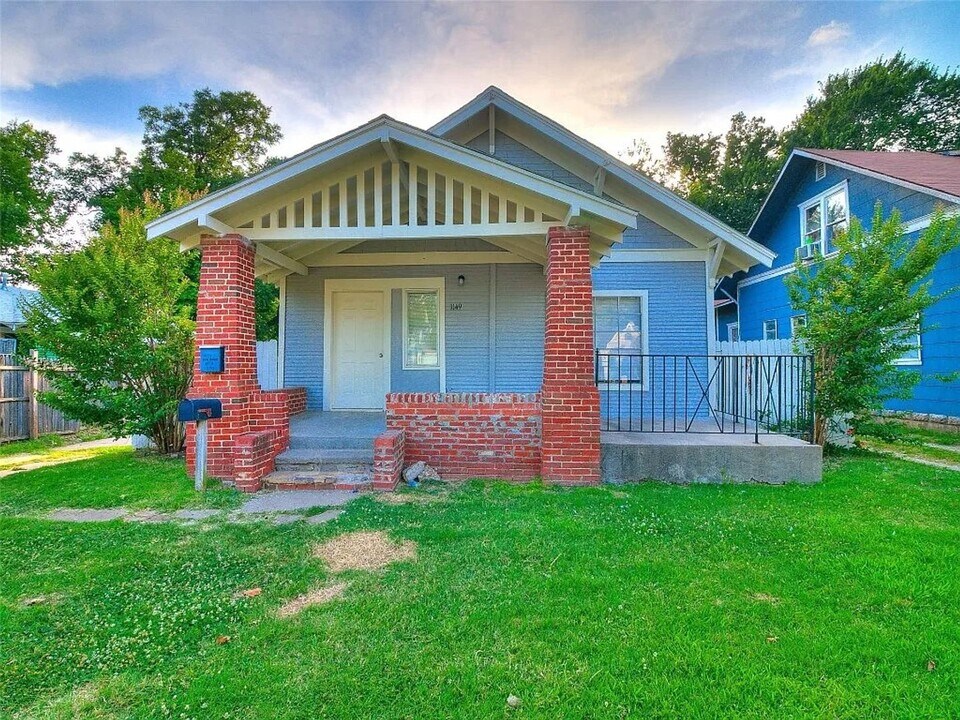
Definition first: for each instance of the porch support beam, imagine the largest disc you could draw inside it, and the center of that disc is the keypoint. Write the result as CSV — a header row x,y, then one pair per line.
x,y
278,258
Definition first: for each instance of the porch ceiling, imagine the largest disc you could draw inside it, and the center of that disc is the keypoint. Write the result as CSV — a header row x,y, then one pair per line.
x,y
390,181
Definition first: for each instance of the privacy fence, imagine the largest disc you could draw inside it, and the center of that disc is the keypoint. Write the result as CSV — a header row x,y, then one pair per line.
x,y
22,416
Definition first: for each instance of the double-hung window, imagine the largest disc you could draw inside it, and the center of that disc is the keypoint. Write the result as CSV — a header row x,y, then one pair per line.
x,y
769,329
821,219
421,329
797,322
911,355
619,327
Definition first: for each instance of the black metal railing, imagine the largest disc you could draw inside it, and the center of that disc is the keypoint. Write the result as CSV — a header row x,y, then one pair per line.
x,y
742,394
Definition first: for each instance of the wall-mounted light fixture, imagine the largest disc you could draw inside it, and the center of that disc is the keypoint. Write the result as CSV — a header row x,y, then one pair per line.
x,y
461,280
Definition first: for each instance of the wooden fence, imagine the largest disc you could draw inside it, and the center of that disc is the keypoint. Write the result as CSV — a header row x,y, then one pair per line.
x,y
267,369
22,417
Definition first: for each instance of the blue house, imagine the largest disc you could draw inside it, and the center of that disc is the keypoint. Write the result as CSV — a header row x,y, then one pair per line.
x,y
815,195
461,282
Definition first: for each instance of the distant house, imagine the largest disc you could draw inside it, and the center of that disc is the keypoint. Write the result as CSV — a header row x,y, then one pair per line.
x,y
11,313
815,195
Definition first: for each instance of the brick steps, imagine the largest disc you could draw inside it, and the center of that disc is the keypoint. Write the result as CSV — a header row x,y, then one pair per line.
x,y
317,461
319,458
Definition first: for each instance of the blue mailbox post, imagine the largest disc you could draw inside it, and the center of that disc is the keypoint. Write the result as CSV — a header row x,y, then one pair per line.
x,y
200,411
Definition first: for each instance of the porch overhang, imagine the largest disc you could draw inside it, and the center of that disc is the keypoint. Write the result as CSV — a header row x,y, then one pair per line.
x,y
390,181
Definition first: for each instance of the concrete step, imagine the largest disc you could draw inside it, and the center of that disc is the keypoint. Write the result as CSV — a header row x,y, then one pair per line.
x,y
350,478
319,458
331,442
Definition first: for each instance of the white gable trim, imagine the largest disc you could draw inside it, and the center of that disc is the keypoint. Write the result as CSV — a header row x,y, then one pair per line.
x,y
611,165
385,129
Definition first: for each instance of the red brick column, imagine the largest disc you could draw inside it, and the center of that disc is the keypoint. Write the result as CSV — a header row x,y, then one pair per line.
x,y
225,316
571,402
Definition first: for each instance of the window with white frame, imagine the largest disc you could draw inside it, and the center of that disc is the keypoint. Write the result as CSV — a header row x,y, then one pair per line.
x,y
421,329
769,329
912,355
733,332
797,322
821,219
619,337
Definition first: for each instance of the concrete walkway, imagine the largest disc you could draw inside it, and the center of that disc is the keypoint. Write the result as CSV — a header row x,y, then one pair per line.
x,y
280,508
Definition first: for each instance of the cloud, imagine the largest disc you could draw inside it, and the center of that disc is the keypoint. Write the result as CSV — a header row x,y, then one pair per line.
x,y
828,34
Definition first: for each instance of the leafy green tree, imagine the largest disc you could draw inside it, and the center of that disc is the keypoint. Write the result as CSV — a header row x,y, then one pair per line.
x,y
894,104
199,146
863,308
31,212
118,352
729,175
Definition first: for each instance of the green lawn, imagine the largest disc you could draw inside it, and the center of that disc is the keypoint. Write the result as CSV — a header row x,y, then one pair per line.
x,y
840,600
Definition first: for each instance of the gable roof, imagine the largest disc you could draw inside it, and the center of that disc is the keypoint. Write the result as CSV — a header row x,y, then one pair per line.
x,y
11,304
934,172
187,221
493,97
931,173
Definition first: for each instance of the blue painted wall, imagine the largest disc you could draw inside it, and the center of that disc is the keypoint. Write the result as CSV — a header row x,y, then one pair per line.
x,y
780,231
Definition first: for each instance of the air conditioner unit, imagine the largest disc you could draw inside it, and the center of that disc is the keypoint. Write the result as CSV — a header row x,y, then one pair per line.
x,y
808,252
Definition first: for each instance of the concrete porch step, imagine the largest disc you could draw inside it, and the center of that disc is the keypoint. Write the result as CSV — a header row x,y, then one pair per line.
x,y
349,478
319,458
331,442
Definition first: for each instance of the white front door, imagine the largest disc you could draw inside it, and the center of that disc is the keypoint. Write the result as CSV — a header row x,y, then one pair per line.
x,y
358,371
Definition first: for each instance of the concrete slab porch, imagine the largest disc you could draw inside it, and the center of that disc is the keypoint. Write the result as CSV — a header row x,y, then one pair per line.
x,y
703,458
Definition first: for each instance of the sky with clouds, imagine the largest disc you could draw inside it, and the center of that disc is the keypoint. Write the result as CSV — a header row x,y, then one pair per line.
x,y
609,71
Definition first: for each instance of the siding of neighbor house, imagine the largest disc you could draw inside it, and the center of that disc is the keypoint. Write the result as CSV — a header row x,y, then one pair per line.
x,y
940,333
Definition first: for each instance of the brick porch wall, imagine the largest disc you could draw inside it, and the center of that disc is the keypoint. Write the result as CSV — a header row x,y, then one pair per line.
x,y
255,425
466,435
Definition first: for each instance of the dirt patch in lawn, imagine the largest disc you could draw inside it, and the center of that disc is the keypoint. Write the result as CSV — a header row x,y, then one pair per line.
x,y
364,551
314,597
414,498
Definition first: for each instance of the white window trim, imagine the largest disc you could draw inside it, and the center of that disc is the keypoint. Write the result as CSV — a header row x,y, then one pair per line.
x,y
819,200
386,286
403,313
776,329
730,326
644,296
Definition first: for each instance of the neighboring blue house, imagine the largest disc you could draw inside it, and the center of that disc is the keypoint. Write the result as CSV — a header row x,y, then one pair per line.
x,y
11,313
814,196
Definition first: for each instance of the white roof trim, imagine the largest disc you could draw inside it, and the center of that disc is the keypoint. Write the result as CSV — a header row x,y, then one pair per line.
x,y
383,128
613,165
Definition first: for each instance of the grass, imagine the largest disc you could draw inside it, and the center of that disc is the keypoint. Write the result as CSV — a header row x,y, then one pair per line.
x,y
917,442
839,600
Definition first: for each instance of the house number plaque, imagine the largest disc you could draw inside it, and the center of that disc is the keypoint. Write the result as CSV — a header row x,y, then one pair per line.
x,y
456,306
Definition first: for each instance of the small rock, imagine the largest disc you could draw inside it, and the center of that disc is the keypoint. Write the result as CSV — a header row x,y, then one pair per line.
x,y
429,473
513,701
414,471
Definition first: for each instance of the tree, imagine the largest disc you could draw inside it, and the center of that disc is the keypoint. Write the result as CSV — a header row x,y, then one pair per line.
x,y
728,176
195,147
30,209
118,352
863,308
640,158
895,104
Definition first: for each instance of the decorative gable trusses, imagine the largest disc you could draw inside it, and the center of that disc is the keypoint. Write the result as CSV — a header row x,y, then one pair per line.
x,y
387,180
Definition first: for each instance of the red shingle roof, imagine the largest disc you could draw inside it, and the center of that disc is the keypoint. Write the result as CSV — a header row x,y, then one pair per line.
x,y
926,169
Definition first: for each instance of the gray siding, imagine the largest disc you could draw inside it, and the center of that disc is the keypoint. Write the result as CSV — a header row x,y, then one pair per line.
x,y
520,327
650,236
516,153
